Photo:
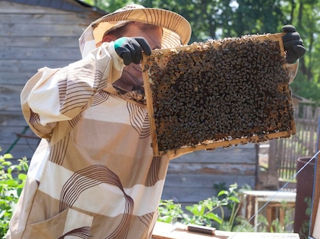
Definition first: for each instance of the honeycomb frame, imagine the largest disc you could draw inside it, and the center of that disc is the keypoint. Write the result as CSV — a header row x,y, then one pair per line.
x,y
207,144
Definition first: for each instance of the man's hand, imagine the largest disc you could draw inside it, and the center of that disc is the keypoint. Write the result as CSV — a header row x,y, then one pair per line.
x,y
292,44
130,49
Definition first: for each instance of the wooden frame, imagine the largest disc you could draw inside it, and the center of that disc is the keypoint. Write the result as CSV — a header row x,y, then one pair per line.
x,y
207,144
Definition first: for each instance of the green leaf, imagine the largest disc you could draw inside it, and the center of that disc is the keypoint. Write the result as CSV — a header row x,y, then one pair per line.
x,y
19,191
201,208
22,176
6,163
8,156
214,217
222,192
9,182
234,199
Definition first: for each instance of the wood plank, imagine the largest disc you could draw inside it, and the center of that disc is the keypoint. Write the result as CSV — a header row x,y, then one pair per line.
x,y
307,139
11,120
191,188
25,146
29,140
303,132
9,80
19,151
291,160
23,66
31,143
10,113
169,231
283,155
206,180
213,168
310,112
286,158
45,18
149,100
228,143
10,7
9,96
9,132
12,102
187,195
15,109
9,89
314,137
295,139
41,42
32,53
25,29
220,155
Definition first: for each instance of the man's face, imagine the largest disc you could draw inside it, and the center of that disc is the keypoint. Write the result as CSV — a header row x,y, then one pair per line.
x,y
131,78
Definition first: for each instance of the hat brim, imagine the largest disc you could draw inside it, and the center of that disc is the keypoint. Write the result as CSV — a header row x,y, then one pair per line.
x,y
176,29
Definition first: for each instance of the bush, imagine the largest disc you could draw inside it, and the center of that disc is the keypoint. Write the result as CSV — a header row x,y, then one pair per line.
x,y
210,212
12,180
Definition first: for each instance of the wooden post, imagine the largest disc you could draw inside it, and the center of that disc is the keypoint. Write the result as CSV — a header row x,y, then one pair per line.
x,y
316,194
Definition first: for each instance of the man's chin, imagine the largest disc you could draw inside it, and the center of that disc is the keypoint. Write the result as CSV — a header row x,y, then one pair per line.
x,y
129,81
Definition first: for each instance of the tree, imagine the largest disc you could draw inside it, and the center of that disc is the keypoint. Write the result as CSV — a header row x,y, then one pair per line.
x,y
305,15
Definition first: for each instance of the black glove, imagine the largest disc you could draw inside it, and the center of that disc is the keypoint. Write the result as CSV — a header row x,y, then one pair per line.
x,y
130,49
292,44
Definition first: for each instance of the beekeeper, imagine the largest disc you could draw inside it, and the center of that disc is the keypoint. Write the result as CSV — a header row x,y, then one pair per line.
x,y
93,174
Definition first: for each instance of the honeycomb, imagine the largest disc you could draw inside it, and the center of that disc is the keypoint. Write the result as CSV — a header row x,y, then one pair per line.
x,y
217,94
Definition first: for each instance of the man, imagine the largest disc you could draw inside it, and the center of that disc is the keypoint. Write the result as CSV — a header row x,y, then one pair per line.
x,y
93,174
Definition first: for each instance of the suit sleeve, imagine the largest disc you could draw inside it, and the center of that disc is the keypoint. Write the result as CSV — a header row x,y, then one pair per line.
x,y
292,70
55,95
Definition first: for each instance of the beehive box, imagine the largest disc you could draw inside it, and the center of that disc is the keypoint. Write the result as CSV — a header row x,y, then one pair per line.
x,y
217,94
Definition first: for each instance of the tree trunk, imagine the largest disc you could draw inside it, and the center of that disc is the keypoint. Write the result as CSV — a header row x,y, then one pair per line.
x,y
300,14
212,28
208,16
293,6
309,74
303,67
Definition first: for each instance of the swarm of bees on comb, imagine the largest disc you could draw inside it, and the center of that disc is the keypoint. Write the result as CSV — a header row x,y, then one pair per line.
x,y
218,93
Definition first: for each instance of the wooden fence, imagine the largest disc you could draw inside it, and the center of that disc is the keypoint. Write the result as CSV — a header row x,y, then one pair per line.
x,y
285,152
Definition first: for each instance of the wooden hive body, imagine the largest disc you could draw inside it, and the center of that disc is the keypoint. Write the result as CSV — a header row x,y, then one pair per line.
x,y
218,94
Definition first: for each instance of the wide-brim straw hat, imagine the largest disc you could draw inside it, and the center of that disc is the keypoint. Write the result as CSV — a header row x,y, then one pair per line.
x,y
176,29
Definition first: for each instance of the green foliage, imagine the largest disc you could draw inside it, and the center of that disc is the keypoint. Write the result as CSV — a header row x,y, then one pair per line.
x,y
169,211
242,225
210,212
204,214
12,180
259,16
308,89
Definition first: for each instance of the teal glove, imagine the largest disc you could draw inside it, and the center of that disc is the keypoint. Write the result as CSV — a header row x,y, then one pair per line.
x,y
130,49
